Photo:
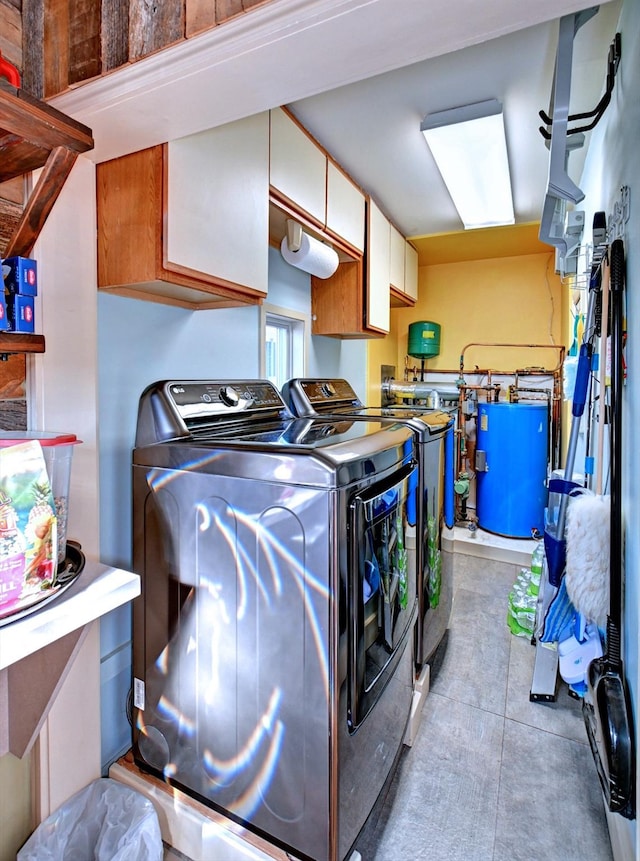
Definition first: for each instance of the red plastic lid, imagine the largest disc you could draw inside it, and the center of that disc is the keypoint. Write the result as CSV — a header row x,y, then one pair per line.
x,y
44,438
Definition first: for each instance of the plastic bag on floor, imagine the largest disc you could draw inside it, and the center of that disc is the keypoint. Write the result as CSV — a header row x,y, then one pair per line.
x,y
105,821
523,600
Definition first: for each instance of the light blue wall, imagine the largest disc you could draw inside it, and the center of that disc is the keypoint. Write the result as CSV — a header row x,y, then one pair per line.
x,y
139,343
288,286
613,161
328,357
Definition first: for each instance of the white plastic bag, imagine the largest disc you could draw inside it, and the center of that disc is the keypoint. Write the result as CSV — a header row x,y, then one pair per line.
x,y
105,821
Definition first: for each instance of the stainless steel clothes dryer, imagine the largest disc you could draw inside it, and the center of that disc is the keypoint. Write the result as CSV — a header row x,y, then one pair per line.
x,y
272,646
335,398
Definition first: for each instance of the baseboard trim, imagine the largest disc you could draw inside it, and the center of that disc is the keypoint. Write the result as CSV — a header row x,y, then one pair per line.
x,y
621,834
192,828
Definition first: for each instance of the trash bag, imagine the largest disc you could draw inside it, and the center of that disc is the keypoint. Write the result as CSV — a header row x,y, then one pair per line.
x,y
105,821
523,598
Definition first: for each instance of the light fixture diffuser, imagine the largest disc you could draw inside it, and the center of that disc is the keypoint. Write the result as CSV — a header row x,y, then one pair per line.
x,y
469,147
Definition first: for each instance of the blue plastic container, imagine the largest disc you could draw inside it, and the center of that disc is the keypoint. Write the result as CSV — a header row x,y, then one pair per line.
x,y
449,477
511,490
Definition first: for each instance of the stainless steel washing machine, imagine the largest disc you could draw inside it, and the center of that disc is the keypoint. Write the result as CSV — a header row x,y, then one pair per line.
x,y
335,398
272,642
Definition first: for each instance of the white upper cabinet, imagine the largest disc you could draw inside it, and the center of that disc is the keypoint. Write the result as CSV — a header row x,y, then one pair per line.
x,y
298,167
396,258
377,293
217,196
345,207
306,182
403,270
187,222
410,271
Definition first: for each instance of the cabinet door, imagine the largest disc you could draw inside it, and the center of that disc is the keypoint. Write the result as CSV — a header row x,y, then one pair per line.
x,y
298,167
345,207
217,210
377,299
396,261
411,271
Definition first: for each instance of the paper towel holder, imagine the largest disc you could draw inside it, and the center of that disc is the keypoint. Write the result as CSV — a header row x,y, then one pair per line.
x,y
307,253
294,235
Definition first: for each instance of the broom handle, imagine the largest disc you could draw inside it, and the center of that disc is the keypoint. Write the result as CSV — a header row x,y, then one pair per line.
x,y
580,389
602,412
614,619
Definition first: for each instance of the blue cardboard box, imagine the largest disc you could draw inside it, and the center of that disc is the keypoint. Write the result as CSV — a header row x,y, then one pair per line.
x,y
20,312
4,321
22,276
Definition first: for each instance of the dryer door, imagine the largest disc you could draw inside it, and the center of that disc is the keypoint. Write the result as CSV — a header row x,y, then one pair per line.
x,y
383,592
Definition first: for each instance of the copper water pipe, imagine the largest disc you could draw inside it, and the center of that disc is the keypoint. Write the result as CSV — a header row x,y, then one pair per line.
x,y
555,373
488,372
531,372
528,346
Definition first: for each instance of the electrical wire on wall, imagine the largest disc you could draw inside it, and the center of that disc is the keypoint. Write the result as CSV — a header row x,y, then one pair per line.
x,y
550,260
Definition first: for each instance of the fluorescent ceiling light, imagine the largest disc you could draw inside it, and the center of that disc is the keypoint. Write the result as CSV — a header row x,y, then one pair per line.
x,y
469,147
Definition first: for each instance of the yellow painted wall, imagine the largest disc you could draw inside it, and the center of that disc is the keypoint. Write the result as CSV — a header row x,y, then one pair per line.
x,y
503,300
381,351
15,806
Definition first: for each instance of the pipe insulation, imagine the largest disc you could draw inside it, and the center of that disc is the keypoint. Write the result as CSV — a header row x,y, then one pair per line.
x,y
409,390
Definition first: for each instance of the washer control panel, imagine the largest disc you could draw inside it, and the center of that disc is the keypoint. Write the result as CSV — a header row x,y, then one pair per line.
x,y
199,399
173,409
310,396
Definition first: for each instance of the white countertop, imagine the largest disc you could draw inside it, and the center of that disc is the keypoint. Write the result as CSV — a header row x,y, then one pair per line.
x,y
97,590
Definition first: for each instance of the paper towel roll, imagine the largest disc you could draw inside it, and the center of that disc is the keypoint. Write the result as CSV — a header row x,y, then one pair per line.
x,y
313,257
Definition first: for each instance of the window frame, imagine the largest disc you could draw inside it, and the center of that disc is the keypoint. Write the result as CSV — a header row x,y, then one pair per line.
x,y
298,325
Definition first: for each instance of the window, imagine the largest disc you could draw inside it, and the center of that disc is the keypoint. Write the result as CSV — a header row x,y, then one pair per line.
x,y
284,346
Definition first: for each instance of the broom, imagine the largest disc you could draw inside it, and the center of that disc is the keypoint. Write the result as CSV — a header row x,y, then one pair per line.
x,y
588,515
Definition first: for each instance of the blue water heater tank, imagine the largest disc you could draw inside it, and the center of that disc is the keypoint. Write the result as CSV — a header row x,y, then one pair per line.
x,y
512,452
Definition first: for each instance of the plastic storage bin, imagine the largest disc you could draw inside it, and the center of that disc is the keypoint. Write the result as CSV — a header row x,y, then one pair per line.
x,y
57,449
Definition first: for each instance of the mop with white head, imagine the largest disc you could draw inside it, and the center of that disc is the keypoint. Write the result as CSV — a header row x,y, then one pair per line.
x,y
587,557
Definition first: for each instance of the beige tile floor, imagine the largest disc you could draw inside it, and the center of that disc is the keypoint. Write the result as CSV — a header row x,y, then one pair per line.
x,y
491,775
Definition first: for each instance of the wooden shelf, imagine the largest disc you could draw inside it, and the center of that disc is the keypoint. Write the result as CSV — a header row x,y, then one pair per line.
x,y
30,130
34,135
20,342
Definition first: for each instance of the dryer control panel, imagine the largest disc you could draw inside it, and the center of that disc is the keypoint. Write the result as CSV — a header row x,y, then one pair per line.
x,y
311,396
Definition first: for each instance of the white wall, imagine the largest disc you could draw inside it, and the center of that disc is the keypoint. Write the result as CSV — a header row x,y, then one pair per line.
x,y
139,343
613,161
62,397
62,380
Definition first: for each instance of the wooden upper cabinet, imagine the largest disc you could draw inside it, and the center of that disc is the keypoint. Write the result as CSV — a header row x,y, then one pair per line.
x,y
186,223
297,169
354,302
345,207
338,303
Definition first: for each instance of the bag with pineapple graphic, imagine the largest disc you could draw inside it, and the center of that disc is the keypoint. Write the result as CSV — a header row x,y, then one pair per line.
x,y
28,526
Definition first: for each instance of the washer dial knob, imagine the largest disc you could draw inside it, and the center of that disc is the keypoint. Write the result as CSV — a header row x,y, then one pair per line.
x,y
328,390
229,396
